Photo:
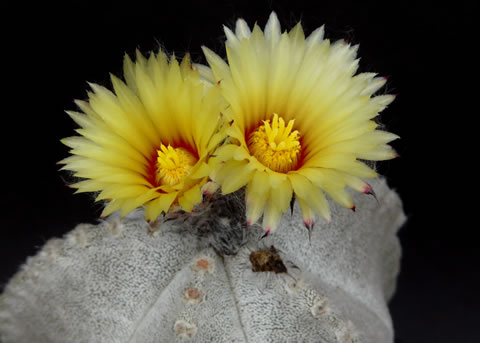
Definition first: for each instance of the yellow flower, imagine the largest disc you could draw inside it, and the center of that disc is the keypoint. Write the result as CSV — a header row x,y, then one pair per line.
x,y
149,143
302,121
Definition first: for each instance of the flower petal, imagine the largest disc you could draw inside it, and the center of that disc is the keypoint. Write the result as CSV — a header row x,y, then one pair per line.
x,y
237,177
272,30
159,205
380,153
190,198
282,195
112,206
271,217
341,196
256,195
307,214
311,195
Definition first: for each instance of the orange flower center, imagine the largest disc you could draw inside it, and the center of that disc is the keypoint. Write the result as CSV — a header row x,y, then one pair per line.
x,y
276,145
173,165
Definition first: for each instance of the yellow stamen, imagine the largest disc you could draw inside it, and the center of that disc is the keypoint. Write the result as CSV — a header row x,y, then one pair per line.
x,y
173,165
275,145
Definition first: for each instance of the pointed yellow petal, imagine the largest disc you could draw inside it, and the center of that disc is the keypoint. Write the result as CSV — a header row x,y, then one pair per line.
x,y
226,152
111,207
360,169
272,30
271,217
256,195
341,196
219,67
190,198
159,205
205,73
313,196
315,37
106,104
321,177
132,203
81,119
356,183
202,169
301,185
380,153
135,110
237,177
307,214
129,73
276,179
318,203
282,195
88,186
373,86
256,200
124,177
232,40
259,182
242,30
121,191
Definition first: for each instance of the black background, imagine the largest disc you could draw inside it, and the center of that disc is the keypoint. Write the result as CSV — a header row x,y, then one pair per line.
x,y
427,49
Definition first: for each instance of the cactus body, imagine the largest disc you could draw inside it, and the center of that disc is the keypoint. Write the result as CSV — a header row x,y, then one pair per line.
x,y
119,282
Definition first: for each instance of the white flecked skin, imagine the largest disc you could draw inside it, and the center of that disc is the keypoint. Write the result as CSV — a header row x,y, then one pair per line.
x,y
116,282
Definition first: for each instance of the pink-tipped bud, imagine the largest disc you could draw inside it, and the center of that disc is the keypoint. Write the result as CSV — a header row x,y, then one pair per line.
x,y
368,189
309,224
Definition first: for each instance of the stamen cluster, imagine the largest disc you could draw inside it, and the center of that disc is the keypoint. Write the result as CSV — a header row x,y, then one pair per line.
x,y
276,145
173,164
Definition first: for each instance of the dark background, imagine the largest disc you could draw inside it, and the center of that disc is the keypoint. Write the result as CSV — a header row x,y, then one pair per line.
x,y
426,48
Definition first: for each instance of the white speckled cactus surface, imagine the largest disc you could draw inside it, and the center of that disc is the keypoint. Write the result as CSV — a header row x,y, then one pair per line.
x,y
122,281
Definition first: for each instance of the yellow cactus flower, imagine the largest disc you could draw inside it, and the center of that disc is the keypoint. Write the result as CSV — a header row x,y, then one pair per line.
x,y
148,144
302,121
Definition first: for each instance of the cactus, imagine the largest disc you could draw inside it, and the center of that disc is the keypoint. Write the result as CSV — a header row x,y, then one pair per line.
x,y
121,281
